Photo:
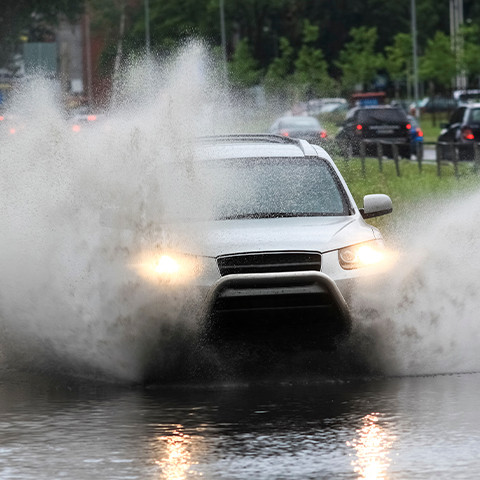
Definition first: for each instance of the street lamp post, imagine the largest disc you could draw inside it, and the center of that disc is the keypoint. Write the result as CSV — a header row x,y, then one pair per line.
x,y
147,27
456,21
415,55
224,40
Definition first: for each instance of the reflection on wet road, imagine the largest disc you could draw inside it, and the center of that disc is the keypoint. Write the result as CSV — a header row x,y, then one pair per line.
x,y
357,428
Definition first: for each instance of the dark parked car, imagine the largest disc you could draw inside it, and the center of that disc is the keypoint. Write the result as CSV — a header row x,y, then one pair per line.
x,y
461,132
385,123
300,126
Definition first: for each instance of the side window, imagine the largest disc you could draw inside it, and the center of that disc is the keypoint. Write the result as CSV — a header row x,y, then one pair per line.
x,y
457,115
475,116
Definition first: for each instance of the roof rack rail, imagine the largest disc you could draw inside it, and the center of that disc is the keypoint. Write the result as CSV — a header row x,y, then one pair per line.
x,y
259,137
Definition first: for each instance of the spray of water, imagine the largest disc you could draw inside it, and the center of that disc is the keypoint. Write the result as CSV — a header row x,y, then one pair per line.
x,y
67,294
423,318
76,208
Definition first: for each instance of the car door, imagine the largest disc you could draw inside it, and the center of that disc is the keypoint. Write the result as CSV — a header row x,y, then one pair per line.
x,y
451,132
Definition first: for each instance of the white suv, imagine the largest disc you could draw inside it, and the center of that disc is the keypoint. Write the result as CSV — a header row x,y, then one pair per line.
x,y
277,256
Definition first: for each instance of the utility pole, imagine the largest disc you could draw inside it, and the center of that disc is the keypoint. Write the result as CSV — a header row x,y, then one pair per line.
x,y
147,27
224,40
413,8
456,38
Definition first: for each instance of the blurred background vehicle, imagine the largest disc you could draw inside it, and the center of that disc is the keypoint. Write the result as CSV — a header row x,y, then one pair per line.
x,y
384,123
464,97
11,124
84,121
434,105
319,106
461,131
301,126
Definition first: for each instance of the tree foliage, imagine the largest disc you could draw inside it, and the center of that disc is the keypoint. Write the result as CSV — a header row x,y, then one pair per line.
x,y
359,61
438,64
470,60
311,69
244,71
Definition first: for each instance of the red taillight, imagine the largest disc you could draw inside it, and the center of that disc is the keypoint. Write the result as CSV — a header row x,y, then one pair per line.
x,y
467,134
76,128
323,134
2,118
91,118
12,131
284,133
419,132
409,126
359,127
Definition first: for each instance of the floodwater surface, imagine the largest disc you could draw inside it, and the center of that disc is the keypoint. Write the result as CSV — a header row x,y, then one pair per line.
x,y
358,428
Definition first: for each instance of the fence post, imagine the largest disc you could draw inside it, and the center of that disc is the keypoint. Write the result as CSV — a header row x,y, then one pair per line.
x,y
476,157
455,159
439,159
419,153
379,156
362,156
395,158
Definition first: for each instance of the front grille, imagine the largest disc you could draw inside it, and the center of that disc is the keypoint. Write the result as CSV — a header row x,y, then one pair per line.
x,y
269,262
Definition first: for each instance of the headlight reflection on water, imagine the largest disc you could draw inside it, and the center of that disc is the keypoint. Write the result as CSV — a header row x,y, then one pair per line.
x,y
176,461
372,447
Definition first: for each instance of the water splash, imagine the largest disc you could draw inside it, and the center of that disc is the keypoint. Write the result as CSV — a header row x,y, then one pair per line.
x,y
423,318
67,296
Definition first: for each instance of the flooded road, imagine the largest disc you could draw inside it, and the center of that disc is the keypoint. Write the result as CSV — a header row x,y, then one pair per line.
x,y
399,404
356,428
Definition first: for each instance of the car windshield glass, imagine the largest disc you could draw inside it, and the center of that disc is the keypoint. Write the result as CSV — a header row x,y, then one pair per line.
x,y
261,188
381,115
475,115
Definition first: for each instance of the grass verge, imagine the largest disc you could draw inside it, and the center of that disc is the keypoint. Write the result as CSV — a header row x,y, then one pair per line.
x,y
412,188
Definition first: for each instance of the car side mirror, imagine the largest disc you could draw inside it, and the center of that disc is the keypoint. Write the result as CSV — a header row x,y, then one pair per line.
x,y
375,205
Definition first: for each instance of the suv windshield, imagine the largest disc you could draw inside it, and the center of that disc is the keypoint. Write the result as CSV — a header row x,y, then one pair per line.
x,y
265,188
381,115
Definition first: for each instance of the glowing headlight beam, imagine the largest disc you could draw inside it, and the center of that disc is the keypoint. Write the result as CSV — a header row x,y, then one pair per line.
x,y
369,256
166,265
361,255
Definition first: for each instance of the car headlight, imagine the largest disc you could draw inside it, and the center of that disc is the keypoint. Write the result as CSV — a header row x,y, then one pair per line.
x,y
169,267
362,255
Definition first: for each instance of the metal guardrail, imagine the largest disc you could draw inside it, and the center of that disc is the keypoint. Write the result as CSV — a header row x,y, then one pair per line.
x,y
454,148
380,146
440,149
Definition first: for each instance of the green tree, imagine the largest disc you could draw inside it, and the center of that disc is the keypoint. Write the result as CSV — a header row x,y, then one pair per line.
x,y
244,71
358,60
470,60
398,60
311,69
438,65
278,77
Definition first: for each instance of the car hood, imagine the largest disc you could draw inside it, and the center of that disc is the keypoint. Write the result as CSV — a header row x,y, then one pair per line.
x,y
278,234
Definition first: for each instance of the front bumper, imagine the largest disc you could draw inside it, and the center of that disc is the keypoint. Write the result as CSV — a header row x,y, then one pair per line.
x,y
288,307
